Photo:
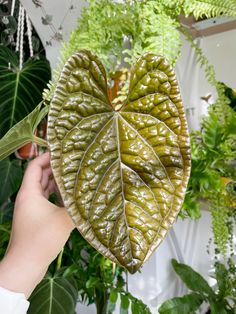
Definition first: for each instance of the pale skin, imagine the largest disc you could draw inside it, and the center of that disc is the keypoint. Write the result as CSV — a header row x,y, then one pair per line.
x,y
40,230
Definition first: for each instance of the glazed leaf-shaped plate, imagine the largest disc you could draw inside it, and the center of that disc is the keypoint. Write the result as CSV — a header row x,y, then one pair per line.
x,y
122,174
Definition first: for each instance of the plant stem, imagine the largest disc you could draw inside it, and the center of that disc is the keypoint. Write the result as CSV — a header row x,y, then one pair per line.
x,y
40,141
101,298
113,268
126,283
59,260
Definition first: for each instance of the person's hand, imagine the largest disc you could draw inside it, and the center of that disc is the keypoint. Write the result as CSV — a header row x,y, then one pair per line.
x,y
39,231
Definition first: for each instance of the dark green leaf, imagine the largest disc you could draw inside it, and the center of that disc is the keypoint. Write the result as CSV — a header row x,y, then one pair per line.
x,y
20,90
139,307
70,270
54,295
11,176
192,279
21,133
5,230
135,308
182,305
6,211
218,308
124,304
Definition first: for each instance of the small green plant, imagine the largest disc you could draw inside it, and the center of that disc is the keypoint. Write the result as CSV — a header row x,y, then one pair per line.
x,y
221,299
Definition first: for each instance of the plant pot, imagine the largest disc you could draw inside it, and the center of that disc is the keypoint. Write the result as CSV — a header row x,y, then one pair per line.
x,y
29,150
118,79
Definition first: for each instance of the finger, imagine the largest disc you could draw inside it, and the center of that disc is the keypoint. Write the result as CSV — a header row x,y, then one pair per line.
x,y
46,175
50,188
33,174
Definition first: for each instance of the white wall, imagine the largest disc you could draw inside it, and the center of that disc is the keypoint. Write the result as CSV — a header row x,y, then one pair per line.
x,y
220,49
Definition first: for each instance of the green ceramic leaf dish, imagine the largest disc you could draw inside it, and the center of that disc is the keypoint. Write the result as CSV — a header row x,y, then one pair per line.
x,y
122,174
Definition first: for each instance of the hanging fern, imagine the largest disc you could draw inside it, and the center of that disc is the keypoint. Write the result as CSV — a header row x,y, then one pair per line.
x,y
209,8
158,32
102,27
108,27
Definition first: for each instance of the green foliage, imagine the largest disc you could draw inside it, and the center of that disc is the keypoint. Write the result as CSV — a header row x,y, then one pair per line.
x,y
54,295
127,302
220,229
11,176
23,132
124,304
184,305
20,89
98,279
218,301
102,28
109,27
93,272
5,225
209,8
6,212
157,31
213,157
193,280
226,279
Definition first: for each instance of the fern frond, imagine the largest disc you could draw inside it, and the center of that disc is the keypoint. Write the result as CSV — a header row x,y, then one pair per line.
x,y
212,130
209,8
158,32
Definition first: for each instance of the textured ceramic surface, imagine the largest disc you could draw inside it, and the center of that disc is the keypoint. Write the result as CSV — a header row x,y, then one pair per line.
x,y
122,174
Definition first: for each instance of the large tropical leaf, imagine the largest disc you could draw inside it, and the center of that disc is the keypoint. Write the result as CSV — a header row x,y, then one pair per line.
x,y
192,279
54,295
122,174
20,90
11,177
6,212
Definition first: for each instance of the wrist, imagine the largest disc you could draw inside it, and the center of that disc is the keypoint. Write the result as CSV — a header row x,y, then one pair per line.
x,y
20,275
